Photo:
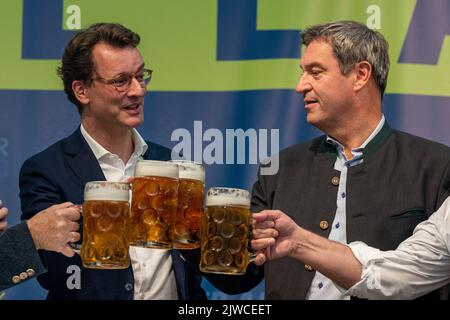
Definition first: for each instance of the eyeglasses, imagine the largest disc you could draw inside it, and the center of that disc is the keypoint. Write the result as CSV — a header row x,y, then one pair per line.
x,y
122,82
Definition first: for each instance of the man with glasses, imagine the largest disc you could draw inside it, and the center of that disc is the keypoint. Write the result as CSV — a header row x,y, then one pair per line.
x,y
105,76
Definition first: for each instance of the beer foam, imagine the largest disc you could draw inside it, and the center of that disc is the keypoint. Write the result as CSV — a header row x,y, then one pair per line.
x,y
190,170
106,190
239,198
153,168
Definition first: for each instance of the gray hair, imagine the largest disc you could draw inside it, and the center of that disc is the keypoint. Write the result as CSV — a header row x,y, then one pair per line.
x,y
353,42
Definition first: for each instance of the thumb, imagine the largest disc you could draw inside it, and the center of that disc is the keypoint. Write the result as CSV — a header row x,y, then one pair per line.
x,y
260,259
67,251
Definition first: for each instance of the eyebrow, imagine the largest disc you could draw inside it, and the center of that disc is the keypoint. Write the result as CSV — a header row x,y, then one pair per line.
x,y
312,65
121,73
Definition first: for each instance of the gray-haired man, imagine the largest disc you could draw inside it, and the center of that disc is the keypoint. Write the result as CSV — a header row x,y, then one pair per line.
x,y
361,180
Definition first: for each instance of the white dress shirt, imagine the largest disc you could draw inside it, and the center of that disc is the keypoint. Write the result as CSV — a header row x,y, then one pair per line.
x,y
154,277
418,266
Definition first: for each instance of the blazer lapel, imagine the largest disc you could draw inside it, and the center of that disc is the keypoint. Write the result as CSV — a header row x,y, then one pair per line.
x,y
81,159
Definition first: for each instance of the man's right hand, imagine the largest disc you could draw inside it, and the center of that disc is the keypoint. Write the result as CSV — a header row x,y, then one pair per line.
x,y
274,235
53,228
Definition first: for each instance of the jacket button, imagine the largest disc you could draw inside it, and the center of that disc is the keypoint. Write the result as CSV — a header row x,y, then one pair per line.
x,y
31,272
323,225
23,276
308,267
128,286
335,181
15,279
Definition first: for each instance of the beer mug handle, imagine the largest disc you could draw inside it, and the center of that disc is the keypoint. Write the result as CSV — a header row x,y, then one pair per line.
x,y
251,257
76,247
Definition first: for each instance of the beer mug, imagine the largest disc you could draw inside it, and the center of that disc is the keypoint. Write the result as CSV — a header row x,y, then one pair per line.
x,y
191,193
225,232
153,205
105,212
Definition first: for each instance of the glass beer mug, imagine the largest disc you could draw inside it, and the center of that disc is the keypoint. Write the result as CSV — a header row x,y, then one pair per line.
x,y
191,193
105,212
153,205
225,232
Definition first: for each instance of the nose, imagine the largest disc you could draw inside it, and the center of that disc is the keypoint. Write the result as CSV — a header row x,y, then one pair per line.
x,y
136,89
303,85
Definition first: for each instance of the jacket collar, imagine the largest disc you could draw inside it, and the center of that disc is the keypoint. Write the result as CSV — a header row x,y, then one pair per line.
x,y
330,151
378,140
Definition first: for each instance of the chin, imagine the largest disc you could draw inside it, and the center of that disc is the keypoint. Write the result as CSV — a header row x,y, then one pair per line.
x,y
310,119
314,121
133,123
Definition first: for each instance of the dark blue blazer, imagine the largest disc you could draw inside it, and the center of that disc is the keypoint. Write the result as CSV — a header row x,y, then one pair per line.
x,y
58,174
19,260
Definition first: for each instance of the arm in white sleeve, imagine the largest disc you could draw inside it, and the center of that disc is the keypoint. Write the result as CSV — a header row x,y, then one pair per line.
x,y
418,266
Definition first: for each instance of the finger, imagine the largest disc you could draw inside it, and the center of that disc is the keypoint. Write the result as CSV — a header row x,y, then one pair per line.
x,y
262,244
72,213
67,251
79,207
1,204
75,236
260,216
264,233
63,205
260,259
266,215
72,237
74,226
3,226
129,180
264,224
3,213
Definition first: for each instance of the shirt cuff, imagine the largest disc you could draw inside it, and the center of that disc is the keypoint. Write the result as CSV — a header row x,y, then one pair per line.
x,y
367,256
364,253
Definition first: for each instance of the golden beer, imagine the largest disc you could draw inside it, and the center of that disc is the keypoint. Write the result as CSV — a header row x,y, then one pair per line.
x,y
105,212
191,192
225,232
154,204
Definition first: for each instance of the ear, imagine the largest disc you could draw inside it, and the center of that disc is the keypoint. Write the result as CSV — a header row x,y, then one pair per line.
x,y
362,74
81,91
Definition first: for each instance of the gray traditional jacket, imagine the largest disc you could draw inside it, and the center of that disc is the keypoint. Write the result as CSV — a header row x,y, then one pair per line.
x,y
401,182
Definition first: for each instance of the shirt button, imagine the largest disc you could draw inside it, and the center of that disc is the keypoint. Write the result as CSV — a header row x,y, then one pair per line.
x,y
323,225
15,279
320,285
308,267
337,225
335,181
343,194
23,276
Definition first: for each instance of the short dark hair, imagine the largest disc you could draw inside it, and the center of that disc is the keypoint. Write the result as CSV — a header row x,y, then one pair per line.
x,y
353,42
77,64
